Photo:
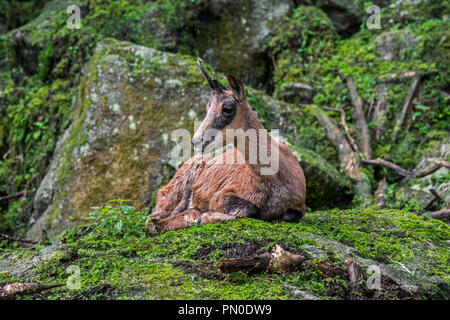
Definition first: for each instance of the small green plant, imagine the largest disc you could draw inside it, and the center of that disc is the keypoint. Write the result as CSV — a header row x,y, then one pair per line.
x,y
119,219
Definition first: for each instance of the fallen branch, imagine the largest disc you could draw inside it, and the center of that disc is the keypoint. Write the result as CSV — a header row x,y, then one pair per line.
x,y
403,76
443,214
358,115
5,236
13,290
11,196
250,265
280,261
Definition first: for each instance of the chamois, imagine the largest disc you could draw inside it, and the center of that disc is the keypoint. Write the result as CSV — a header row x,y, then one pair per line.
x,y
207,189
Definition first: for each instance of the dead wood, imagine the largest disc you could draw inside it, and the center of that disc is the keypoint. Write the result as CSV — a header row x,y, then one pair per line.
x,y
347,157
249,265
10,238
11,196
362,129
404,76
387,164
279,261
443,214
13,290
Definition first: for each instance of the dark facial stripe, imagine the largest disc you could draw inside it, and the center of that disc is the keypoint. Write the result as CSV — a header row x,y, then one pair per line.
x,y
222,120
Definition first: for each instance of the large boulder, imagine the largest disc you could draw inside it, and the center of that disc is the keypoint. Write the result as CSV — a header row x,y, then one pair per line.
x,y
395,45
131,98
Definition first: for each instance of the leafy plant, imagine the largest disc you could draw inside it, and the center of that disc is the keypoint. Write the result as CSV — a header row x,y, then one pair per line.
x,y
119,219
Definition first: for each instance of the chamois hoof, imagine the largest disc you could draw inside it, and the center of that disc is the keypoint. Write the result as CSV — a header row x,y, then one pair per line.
x,y
152,231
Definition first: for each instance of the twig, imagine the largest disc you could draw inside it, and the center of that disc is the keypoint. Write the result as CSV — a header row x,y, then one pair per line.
x,y
12,290
347,131
11,196
387,164
436,197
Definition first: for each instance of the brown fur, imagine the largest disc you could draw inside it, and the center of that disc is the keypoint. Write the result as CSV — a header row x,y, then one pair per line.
x,y
205,189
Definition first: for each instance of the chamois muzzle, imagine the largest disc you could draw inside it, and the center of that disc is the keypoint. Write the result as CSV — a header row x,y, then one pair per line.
x,y
204,144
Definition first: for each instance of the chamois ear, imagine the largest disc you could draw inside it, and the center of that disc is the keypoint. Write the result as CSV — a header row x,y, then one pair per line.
x,y
237,87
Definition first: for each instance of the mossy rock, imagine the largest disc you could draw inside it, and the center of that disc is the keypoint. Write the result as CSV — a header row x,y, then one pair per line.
x,y
410,252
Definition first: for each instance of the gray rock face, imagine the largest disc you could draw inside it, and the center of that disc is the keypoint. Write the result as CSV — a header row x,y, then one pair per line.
x,y
296,93
394,45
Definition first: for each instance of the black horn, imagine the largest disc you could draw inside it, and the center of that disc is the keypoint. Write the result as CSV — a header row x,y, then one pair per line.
x,y
213,83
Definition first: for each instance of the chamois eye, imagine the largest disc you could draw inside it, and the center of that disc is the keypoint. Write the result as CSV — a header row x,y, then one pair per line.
x,y
228,109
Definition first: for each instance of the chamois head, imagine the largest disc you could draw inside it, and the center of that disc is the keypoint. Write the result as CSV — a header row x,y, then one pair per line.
x,y
226,109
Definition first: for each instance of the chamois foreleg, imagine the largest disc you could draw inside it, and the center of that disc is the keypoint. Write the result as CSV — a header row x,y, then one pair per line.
x,y
175,197
189,218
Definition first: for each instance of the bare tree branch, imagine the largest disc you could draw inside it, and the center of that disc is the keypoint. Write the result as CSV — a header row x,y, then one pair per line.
x,y
347,157
437,166
407,174
387,164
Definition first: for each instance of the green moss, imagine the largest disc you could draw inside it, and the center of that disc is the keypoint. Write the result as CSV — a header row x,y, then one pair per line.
x,y
137,268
